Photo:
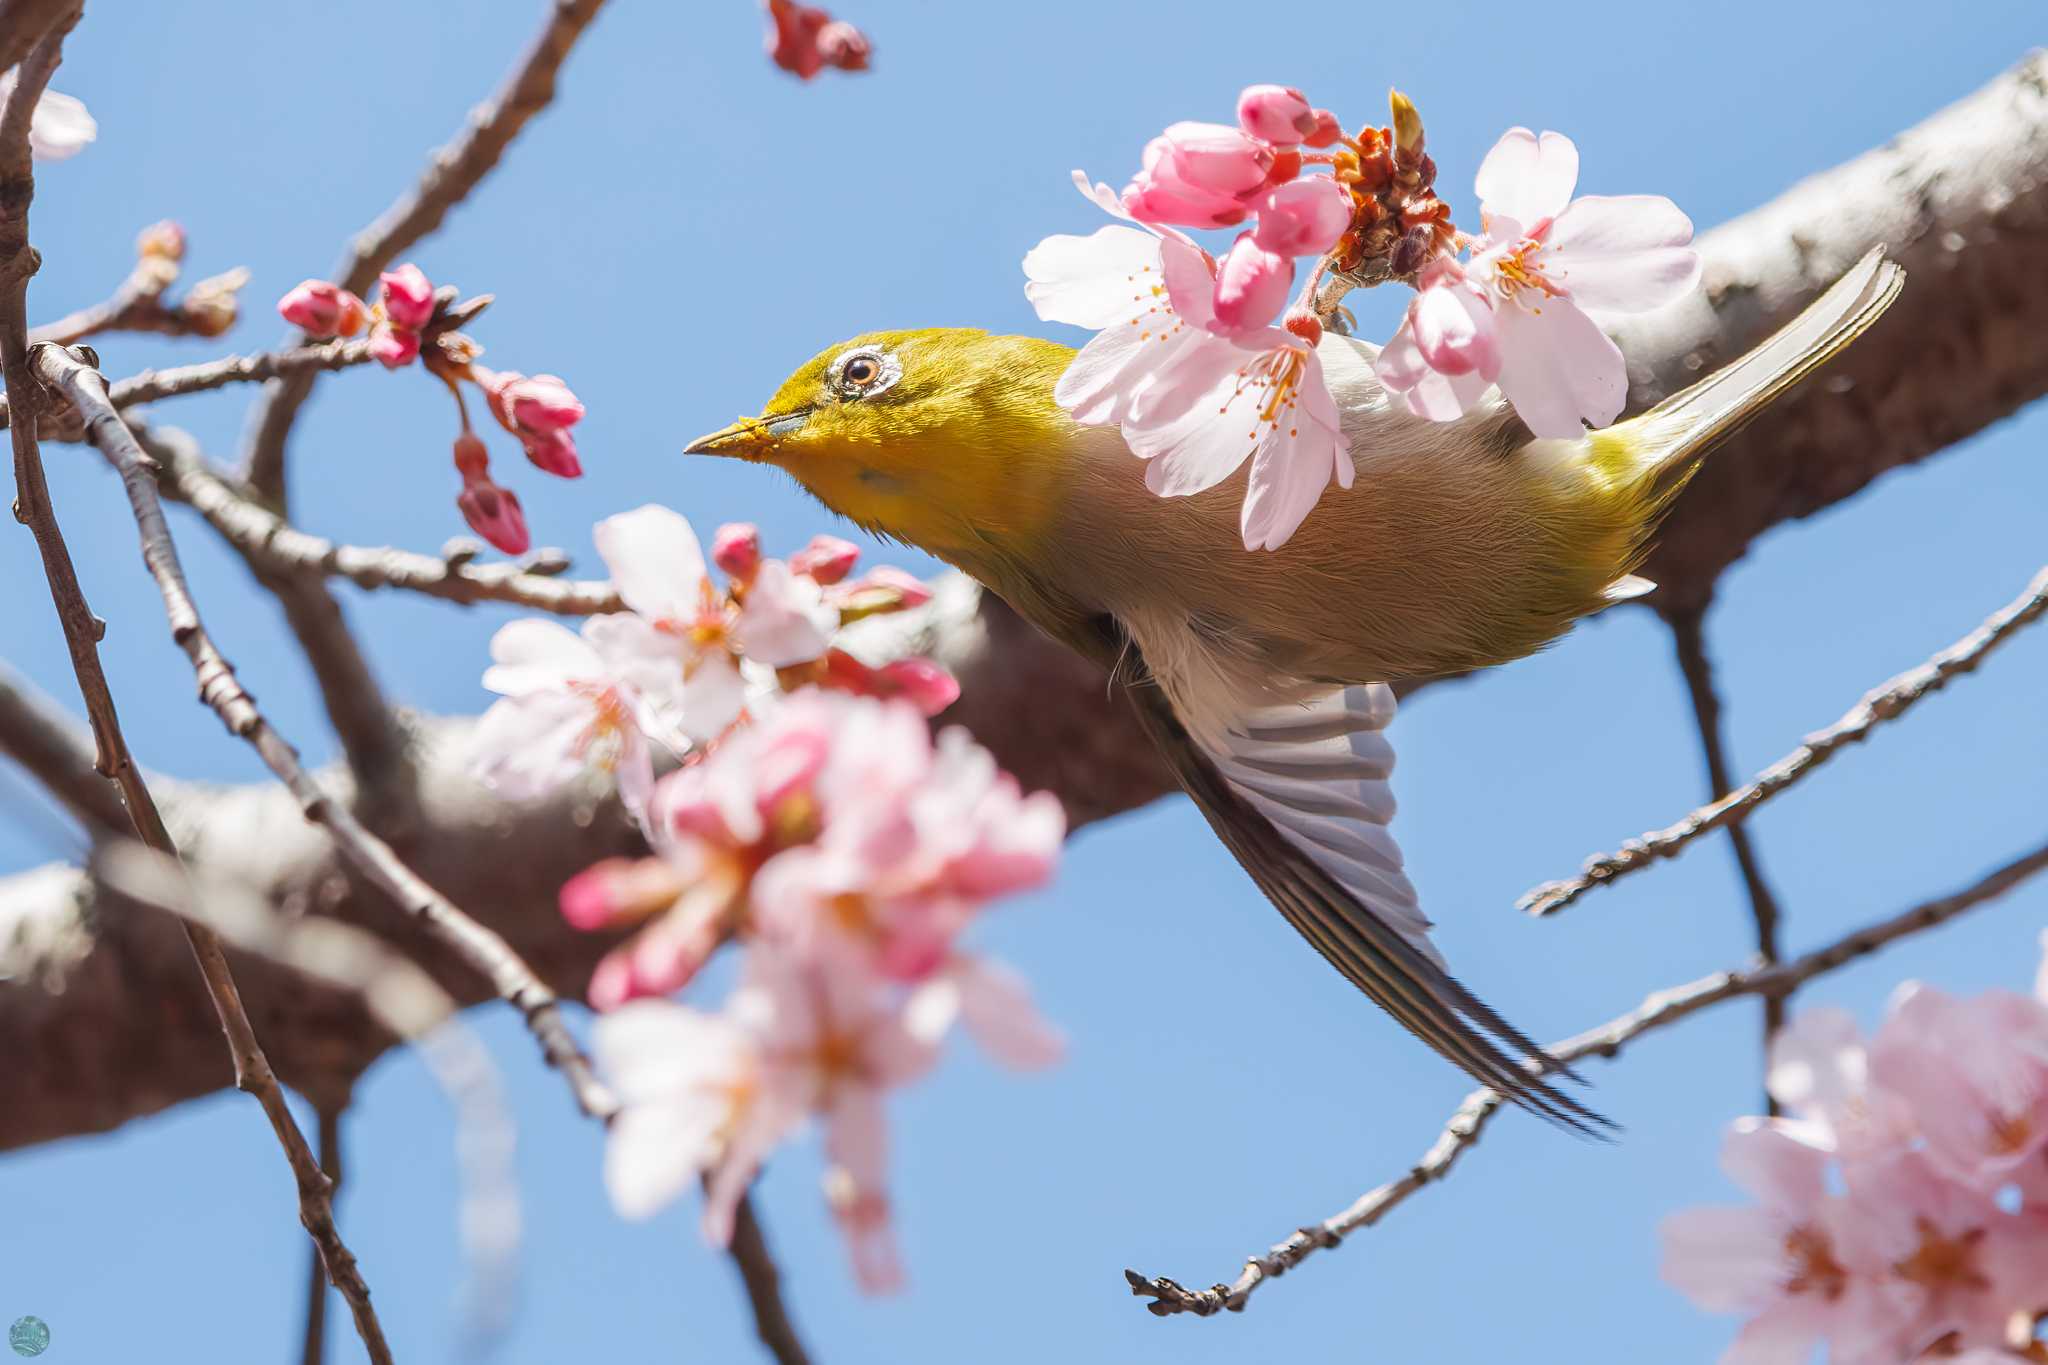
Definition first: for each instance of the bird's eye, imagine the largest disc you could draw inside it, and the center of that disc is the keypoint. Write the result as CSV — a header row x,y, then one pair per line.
x,y
864,373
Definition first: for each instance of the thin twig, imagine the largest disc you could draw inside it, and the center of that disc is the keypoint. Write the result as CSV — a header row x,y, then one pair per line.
x,y
402,997
1888,702
270,543
452,172
1689,635
138,305
179,380
483,948
47,745
1607,1040
313,1347
750,1255
82,631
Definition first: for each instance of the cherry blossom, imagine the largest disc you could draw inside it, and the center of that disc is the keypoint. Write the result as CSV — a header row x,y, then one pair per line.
x,y
539,410
803,40
405,304
1526,310
1820,1072
321,309
59,127
1277,114
1974,1074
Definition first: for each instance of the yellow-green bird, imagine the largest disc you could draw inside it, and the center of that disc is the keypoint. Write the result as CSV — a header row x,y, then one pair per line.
x,y
1262,677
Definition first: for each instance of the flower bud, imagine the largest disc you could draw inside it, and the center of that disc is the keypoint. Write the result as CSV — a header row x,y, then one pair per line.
x,y
493,513
1327,132
553,451
827,559
165,241
842,45
541,403
922,683
880,589
1407,123
393,347
1303,217
1152,202
323,310
619,891
736,548
408,297
1210,156
1251,286
1277,114
210,307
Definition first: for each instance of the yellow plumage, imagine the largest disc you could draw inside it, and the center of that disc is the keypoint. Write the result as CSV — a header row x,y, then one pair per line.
x,y
1460,545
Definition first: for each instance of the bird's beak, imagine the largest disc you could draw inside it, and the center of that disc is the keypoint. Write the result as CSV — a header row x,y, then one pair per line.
x,y
750,438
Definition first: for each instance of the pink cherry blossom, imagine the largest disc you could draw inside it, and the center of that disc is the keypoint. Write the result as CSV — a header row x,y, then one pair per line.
x,y
1548,270
736,548
880,590
59,127
1277,114
1820,1073
407,297
322,309
564,711
827,559
1196,405
1303,217
1252,284
925,685
1327,130
539,410
1974,1074
393,347
1195,174
785,620
1800,1262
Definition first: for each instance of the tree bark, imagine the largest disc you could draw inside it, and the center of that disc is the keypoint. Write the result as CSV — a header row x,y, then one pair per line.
x,y
104,1021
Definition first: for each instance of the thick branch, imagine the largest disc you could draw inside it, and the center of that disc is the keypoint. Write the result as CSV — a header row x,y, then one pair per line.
x,y
451,174
1607,1040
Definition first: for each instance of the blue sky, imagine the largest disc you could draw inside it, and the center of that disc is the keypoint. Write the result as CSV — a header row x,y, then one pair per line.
x,y
685,226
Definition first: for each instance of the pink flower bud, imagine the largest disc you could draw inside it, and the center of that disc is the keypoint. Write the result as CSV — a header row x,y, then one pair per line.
x,y
1251,286
736,548
922,683
1454,329
1210,156
323,310
619,891
493,513
827,559
1151,201
1327,131
553,451
472,457
1303,217
165,241
394,347
542,403
408,297
842,45
880,589
1278,114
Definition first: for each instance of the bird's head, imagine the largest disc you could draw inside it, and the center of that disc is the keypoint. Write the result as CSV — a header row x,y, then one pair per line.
x,y
947,438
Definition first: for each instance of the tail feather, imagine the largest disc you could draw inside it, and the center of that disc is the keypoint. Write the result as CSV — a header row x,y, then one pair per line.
x,y
1682,429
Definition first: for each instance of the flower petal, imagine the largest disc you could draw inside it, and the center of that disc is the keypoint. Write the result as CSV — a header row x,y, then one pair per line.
x,y
786,619
1559,369
1528,178
1622,254
1292,467
995,1005
532,655
655,560
1090,281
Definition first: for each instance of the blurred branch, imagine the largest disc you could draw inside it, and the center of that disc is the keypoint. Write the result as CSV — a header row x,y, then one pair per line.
x,y
1689,635
1885,703
39,736
138,305
1607,1040
219,689
452,172
763,1282
313,1350
82,632
23,24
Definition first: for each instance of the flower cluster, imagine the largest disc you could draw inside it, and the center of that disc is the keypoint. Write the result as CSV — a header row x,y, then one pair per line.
x,y
847,851
407,323
686,659
1187,359
803,40
1902,1207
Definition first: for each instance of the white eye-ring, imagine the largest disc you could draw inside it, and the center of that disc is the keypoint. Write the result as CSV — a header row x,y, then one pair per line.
x,y
863,372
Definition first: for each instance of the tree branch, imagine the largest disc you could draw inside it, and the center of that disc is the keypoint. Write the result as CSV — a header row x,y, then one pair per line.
x,y
483,948
42,739
452,172
1688,633
1607,1040
763,1282
82,631
313,1348
1888,702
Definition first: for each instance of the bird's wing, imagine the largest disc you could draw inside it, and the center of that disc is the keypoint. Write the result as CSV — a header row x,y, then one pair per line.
x,y
1299,795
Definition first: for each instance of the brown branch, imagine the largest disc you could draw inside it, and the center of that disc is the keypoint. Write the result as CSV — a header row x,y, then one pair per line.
x,y
219,689
763,1283
23,24
452,172
1606,1040
179,380
47,745
1885,703
82,631
138,305
1688,634
313,1348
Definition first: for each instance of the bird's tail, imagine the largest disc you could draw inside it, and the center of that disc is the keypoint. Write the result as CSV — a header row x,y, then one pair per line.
x,y
1669,441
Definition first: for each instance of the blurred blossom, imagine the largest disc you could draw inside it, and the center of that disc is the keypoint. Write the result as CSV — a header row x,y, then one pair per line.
x,y
59,126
